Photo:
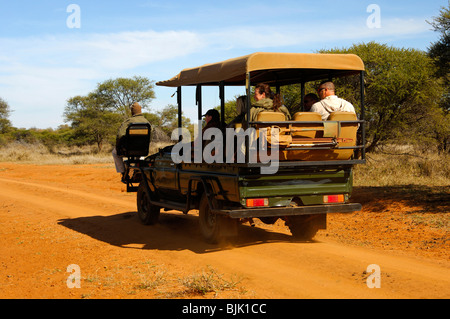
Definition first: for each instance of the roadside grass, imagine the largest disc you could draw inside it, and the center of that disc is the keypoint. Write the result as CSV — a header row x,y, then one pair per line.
x,y
209,281
395,167
18,152
155,281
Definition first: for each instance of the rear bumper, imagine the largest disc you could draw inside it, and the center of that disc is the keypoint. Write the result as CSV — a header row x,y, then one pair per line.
x,y
290,211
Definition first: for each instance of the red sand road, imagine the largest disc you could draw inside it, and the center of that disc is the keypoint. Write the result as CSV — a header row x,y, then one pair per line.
x,y
54,216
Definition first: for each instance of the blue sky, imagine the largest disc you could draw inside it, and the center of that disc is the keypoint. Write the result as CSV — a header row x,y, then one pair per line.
x,y
44,62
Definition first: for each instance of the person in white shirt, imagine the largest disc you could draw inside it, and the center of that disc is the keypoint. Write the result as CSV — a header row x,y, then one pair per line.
x,y
329,102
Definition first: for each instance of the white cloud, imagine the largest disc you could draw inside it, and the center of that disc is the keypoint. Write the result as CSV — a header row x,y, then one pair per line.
x,y
116,50
132,49
41,73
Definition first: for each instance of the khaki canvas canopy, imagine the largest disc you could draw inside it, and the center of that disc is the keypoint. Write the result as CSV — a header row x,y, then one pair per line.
x,y
274,68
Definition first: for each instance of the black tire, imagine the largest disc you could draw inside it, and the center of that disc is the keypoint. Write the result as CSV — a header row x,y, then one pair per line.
x,y
303,227
209,222
147,212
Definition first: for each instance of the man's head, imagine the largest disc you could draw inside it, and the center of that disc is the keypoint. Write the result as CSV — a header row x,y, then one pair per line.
x,y
325,89
136,109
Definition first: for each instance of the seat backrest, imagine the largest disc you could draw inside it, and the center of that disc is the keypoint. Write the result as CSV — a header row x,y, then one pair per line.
x,y
267,116
347,130
311,130
342,116
270,117
137,140
307,116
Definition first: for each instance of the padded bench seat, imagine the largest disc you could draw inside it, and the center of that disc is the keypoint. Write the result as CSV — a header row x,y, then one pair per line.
x,y
318,133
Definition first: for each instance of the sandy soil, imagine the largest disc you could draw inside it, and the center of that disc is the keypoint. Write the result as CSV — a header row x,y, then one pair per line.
x,y
56,216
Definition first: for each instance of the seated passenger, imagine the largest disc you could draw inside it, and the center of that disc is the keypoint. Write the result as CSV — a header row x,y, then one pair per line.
x,y
266,100
240,110
136,117
329,102
309,100
212,119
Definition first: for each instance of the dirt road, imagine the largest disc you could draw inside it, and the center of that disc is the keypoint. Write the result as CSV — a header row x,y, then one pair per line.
x,y
55,216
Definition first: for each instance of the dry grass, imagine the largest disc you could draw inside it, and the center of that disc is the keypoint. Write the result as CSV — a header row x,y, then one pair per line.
x,y
209,281
403,166
39,154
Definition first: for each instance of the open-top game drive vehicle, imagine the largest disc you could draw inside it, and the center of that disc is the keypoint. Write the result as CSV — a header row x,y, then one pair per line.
x,y
300,173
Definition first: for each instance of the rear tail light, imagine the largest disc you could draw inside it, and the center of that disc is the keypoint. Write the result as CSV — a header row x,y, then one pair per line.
x,y
333,198
257,202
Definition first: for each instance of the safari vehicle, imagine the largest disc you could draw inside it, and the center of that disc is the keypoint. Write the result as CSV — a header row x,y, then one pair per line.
x,y
314,158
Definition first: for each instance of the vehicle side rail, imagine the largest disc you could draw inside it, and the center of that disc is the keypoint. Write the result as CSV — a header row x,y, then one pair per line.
x,y
344,163
300,122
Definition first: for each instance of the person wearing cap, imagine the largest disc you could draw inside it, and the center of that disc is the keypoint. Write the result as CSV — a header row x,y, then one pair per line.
x,y
136,117
212,119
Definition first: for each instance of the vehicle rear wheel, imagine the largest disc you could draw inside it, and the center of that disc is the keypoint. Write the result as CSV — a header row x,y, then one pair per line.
x,y
147,212
303,227
209,222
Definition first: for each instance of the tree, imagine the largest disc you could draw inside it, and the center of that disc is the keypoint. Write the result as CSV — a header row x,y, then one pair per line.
x,y
92,123
230,110
167,120
119,94
5,124
96,117
400,89
434,130
440,52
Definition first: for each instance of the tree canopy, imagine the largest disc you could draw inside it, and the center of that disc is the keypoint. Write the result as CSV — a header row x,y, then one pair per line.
x,y
400,89
440,50
5,110
119,94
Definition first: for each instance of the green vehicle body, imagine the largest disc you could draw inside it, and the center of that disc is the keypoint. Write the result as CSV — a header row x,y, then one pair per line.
x,y
222,192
